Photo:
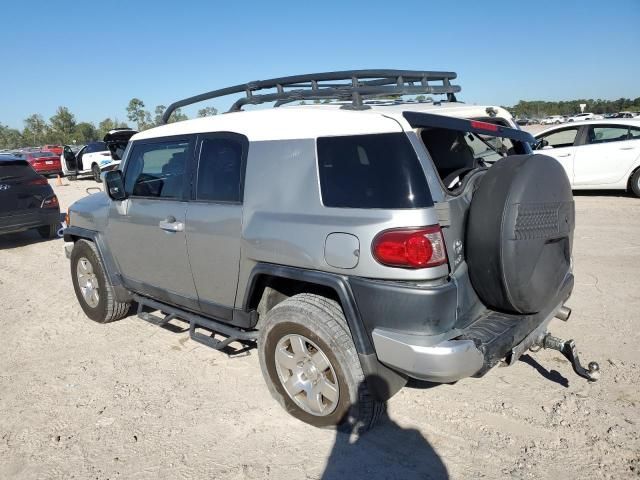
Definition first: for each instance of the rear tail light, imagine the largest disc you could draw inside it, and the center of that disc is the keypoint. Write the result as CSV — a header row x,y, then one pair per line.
x,y
50,202
39,181
410,247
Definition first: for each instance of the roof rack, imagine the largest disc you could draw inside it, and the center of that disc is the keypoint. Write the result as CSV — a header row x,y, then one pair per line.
x,y
354,85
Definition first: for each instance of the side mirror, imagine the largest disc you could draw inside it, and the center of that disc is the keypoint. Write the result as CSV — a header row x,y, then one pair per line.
x,y
114,185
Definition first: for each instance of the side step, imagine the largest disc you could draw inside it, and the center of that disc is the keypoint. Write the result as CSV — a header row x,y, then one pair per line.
x,y
231,333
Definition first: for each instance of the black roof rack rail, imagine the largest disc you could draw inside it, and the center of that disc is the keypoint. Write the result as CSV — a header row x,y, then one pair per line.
x,y
354,85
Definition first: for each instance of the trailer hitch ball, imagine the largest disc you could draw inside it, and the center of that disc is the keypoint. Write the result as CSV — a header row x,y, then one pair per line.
x,y
570,352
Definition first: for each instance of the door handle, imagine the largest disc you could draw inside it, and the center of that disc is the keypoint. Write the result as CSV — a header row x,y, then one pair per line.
x,y
565,155
627,148
170,224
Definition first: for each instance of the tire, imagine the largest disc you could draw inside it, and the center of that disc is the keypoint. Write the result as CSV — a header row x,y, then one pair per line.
x,y
634,183
320,324
107,308
520,234
95,171
49,231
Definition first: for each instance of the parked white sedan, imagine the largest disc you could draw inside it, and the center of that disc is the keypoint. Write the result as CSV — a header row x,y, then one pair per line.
x,y
596,154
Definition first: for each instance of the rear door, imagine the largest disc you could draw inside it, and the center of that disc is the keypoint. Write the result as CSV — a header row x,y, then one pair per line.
x,y
561,144
608,154
146,232
214,220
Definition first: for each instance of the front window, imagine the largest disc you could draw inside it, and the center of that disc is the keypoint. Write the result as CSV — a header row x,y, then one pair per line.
x,y
157,169
560,138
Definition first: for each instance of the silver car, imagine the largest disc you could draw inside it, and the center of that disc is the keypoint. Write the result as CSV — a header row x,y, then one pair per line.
x,y
357,243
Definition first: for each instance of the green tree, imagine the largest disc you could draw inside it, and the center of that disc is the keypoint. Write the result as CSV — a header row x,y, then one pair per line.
x,y
207,111
62,126
104,126
136,113
85,132
34,128
159,111
10,137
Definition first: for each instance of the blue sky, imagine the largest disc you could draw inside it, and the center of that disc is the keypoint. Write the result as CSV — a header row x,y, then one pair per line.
x,y
93,57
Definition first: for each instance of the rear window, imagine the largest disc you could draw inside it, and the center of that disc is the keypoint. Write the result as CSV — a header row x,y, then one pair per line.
x,y
371,171
10,169
96,147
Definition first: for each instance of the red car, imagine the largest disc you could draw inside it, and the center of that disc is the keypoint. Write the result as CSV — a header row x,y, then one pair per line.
x,y
57,149
45,163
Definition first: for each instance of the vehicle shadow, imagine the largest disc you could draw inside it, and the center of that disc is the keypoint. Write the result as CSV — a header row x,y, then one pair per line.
x,y
27,237
387,451
552,375
21,239
601,193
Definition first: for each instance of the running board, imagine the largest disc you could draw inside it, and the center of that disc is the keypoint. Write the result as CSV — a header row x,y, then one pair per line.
x,y
231,333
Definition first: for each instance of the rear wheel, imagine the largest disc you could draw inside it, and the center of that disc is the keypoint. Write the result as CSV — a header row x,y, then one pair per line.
x,y
95,171
49,231
311,367
634,183
92,287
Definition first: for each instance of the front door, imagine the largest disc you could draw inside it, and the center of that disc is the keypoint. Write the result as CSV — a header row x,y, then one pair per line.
x,y
608,155
214,221
147,231
560,144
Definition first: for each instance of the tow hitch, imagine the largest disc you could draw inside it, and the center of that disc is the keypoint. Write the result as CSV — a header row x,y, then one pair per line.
x,y
568,349
541,338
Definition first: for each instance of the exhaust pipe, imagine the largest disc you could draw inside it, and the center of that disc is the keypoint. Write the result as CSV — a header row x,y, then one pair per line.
x,y
563,313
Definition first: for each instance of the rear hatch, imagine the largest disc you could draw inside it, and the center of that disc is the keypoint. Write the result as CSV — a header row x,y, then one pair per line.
x,y
21,188
117,140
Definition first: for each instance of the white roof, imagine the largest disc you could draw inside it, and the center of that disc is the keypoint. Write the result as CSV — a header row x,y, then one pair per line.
x,y
311,121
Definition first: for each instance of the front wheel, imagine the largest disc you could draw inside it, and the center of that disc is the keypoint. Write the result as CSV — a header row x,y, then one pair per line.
x,y
311,367
93,289
95,170
634,183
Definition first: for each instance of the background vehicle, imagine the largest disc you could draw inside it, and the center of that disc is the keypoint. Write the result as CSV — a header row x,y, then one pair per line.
x,y
372,260
597,154
584,116
26,199
45,163
57,149
96,157
553,120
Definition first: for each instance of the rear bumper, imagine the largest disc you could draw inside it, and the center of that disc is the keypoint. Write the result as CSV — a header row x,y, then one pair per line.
x,y
471,351
26,221
443,362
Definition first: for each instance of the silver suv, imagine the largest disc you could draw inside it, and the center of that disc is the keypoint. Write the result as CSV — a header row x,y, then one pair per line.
x,y
358,242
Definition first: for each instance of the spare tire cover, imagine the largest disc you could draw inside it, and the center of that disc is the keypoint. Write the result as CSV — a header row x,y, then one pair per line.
x,y
520,233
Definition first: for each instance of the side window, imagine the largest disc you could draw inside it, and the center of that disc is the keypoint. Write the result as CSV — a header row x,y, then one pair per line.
x,y
634,133
157,169
562,138
220,170
606,134
371,171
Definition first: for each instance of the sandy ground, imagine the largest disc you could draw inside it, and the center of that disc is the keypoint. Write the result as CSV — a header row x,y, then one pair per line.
x,y
132,401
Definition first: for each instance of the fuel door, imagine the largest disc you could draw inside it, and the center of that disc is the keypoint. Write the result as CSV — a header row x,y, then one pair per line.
x,y
342,250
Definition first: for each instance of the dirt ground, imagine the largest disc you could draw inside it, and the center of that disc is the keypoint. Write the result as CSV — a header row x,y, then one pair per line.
x,y
130,400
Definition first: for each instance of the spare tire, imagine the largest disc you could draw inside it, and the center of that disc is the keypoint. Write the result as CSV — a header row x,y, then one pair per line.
x,y
520,234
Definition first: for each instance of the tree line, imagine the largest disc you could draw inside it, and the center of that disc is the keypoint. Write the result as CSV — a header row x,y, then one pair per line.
x,y
63,128
540,108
